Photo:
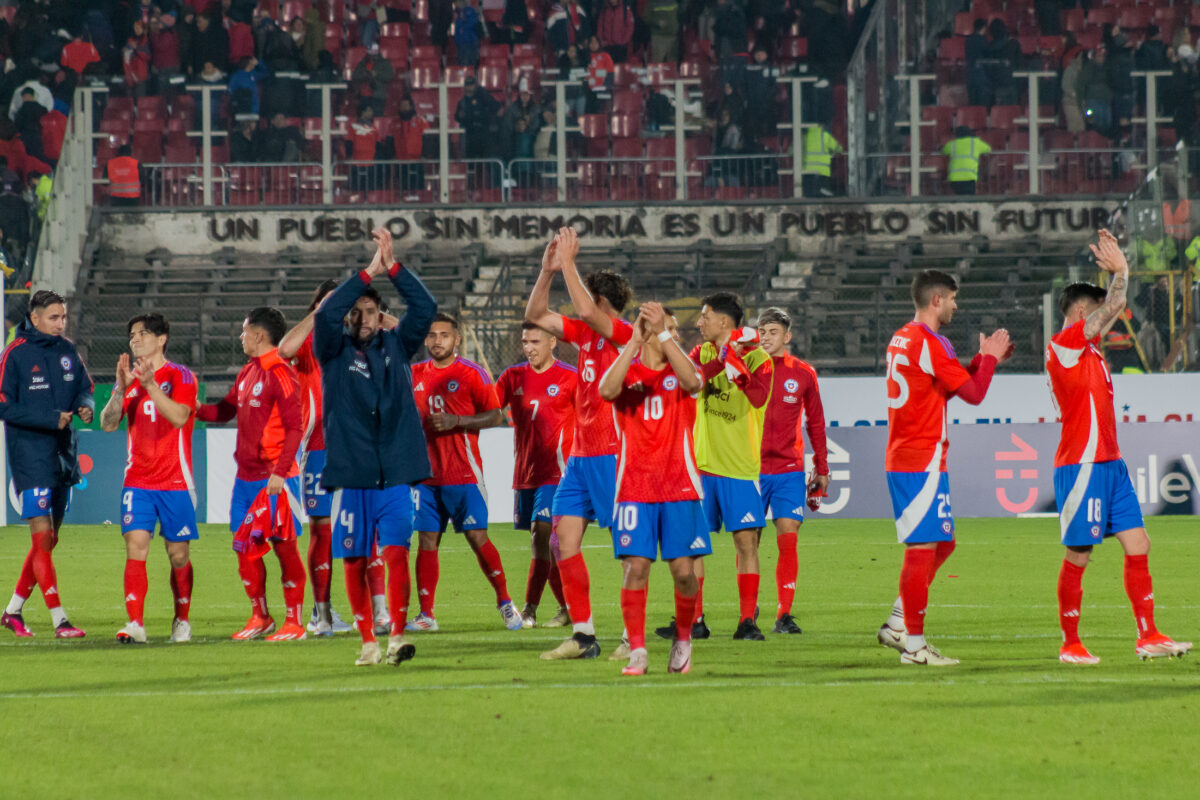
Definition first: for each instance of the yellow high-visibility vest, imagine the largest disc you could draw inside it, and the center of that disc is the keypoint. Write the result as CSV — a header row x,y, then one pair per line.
x,y
965,153
819,150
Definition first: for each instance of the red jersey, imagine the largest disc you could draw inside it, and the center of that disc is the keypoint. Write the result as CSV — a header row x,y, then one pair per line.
x,y
308,370
462,388
794,395
543,415
265,398
1082,389
922,374
655,463
594,415
159,454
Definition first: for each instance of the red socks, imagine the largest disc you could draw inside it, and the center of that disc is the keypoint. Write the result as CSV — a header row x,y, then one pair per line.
x,y
914,587
376,573
181,589
685,615
427,579
747,595
786,570
254,579
539,572
489,561
940,554
576,588
1141,594
320,558
360,600
556,586
136,585
633,610
1070,597
292,578
398,586
700,598
27,581
43,567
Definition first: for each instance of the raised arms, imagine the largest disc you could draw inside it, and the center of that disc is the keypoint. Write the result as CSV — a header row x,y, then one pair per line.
x,y
1110,259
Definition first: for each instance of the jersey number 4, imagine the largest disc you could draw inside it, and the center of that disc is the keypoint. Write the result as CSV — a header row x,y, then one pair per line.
x,y
894,362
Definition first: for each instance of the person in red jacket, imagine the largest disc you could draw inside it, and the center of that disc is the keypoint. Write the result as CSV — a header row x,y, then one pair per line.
x,y
79,53
408,136
614,29
265,399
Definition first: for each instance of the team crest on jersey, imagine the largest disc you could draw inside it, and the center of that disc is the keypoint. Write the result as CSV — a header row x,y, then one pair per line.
x,y
791,385
552,390
626,540
248,520
452,386
669,383
65,361
166,387
599,345
257,390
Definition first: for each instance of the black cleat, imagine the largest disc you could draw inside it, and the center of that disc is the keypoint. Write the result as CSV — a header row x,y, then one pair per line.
x,y
786,624
667,631
746,629
700,629
398,655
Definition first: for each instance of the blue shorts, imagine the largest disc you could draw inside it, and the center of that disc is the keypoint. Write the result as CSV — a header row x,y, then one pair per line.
x,y
36,503
785,494
464,503
733,501
244,493
1095,501
533,505
174,512
679,528
921,503
588,489
317,501
362,516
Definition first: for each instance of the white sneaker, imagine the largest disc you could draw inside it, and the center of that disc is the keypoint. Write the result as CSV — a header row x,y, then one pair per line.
x,y
383,625
399,651
639,662
511,616
369,655
681,657
421,623
928,656
890,637
132,633
323,628
338,624
311,627
621,652
181,631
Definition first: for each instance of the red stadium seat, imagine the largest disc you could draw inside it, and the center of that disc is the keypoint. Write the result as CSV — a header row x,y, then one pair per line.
x,y
1136,18
395,51
625,125
457,76
1003,116
794,49
952,48
1101,15
625,76
394,30
425,74
1058,140
493,78
974,117
425,52
661,74
1073,20
963,24
493,52
952,96
627,102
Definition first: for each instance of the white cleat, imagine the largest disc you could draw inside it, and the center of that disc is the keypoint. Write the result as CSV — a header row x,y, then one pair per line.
x,y
529,616
681,657
927,656
399,651
338,624
560,620
383,625
890,637
621,652
1160,645
639,662
1076,654
132,633
181,631
313,621
421,622
369,655
511,616
323,628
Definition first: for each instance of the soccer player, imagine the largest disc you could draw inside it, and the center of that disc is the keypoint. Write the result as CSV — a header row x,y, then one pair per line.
x,y
159,399
296,347
588,486
794,393
541,394
729,434
658,484
376,450
265,399
43,384
1091,482
456,399
923,373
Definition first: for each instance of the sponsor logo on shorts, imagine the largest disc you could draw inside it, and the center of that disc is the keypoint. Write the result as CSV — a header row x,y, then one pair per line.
x,y
184,531
698,544
470,520
798,510
127,519
552,390
791,385
670,382
626,540
748,519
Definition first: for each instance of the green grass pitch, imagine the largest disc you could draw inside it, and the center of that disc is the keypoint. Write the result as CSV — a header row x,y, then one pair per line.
x,y
827,714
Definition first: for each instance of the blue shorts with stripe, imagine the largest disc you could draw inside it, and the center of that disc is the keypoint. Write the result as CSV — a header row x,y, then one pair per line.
x,y
921,503
363,516
42,502
734,502
588,489
465,504
533,505
173,512
784,494
679,529
317,501
244,493
1095,501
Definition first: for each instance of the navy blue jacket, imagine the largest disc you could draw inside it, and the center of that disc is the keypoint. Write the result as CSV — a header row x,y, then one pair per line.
x,y
40,376
373,434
